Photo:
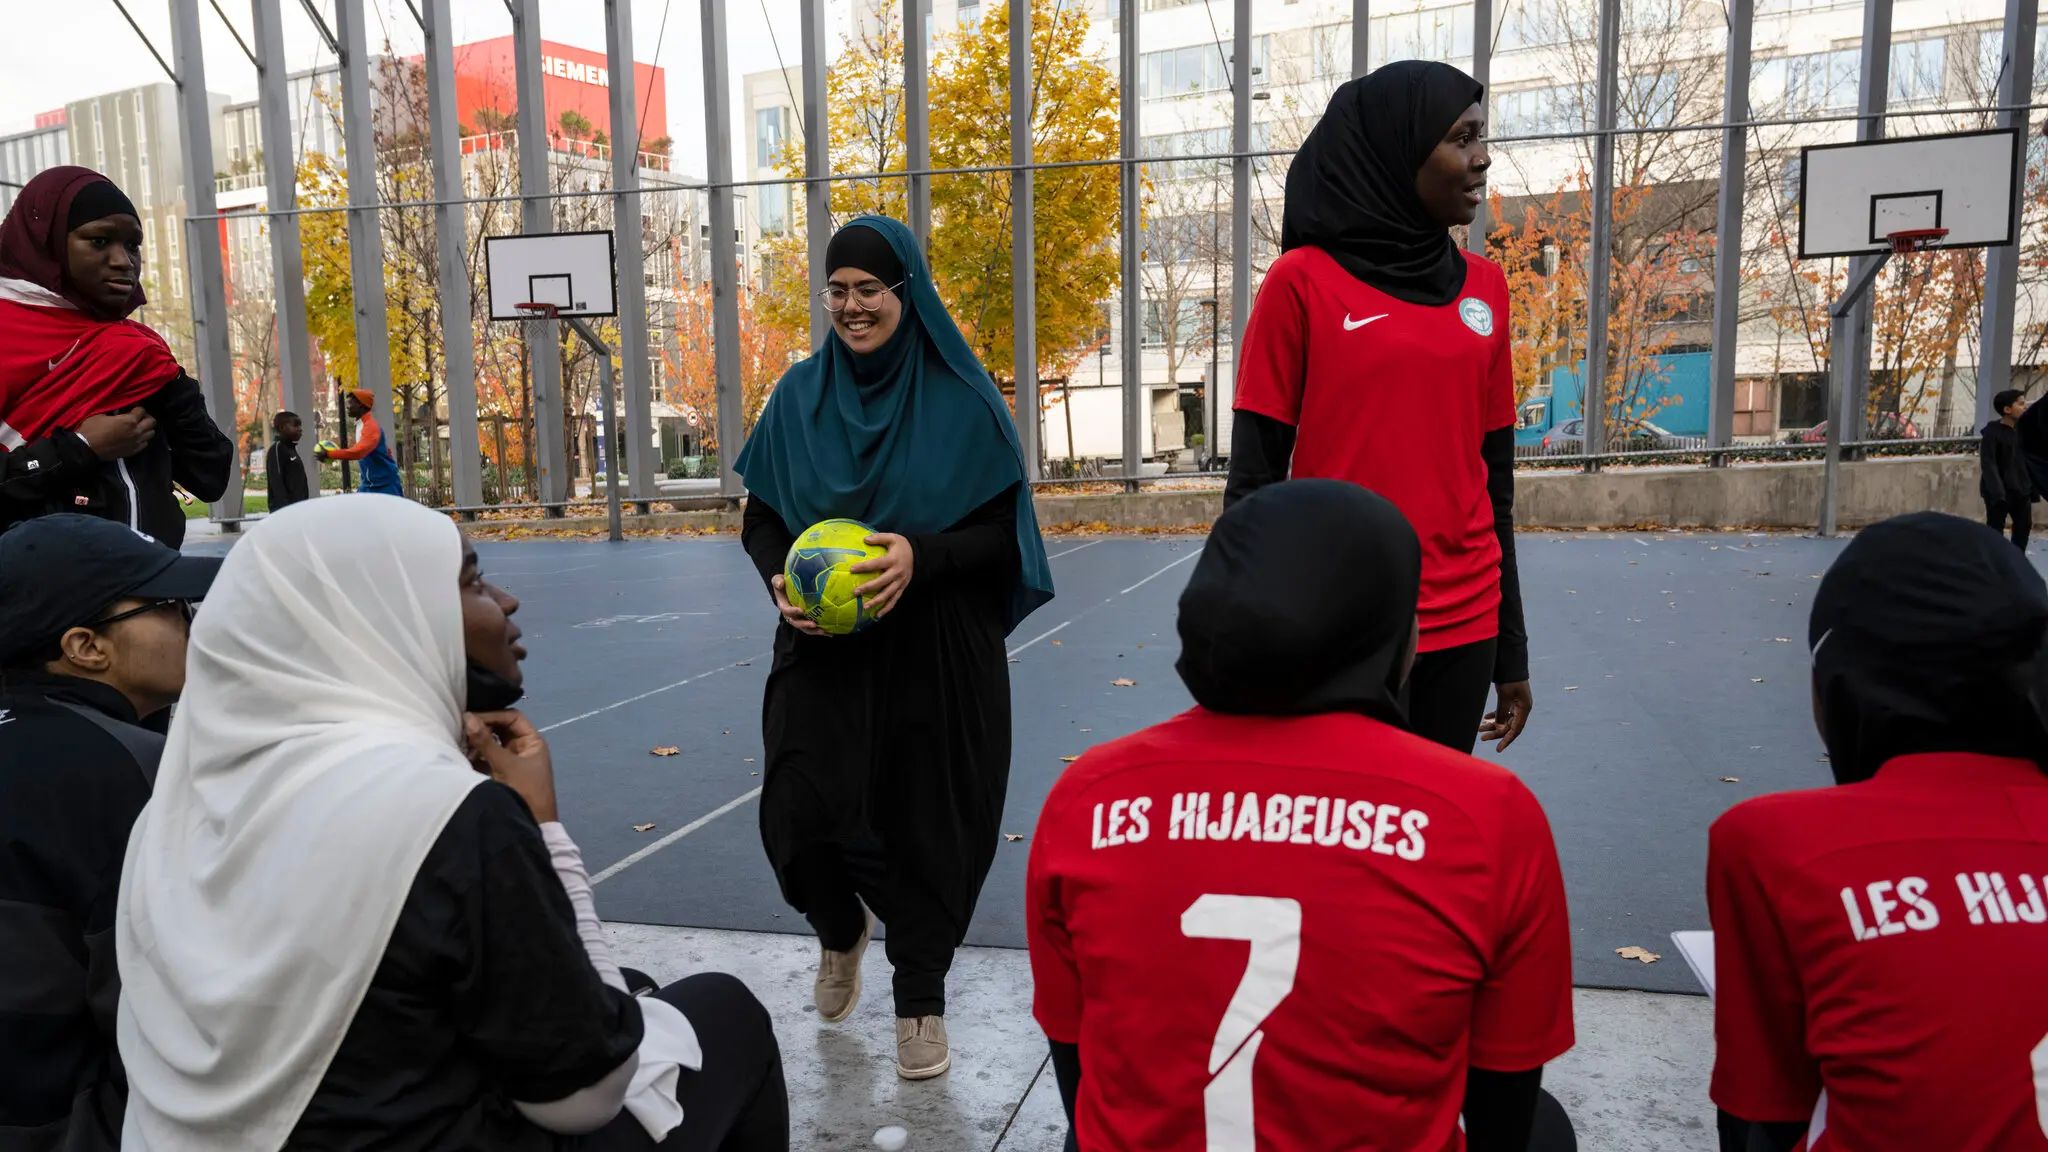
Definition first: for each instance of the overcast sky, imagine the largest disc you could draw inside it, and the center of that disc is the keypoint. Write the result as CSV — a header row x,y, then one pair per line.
x,y
79,48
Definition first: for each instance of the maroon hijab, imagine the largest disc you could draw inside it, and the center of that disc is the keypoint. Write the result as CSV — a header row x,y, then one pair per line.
x,y
34,242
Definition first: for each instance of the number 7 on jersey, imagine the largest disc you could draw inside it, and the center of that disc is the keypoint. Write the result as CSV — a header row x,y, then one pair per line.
x,y
1272,925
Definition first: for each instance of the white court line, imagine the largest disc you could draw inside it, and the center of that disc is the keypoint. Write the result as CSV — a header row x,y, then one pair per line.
x,y
1071,551
1036,639
674,836
654,692
1163,571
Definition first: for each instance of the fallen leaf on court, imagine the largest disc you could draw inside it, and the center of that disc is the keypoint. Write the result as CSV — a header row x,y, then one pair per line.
x,y
1013,837
745,663
1123,683
667,750
643,827
1731,779
746,759
1571,687
1056,644
1068,759
1634,953
1756,679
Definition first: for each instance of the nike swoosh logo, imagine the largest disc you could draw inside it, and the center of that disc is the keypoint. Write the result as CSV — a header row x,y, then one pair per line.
x,y
1351,325
66,355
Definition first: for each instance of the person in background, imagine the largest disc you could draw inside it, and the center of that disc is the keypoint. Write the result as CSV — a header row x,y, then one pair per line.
x,y
380,467
93,624
282,467
888,752
347,741
1884,939
2004,479
1409,959
96,416
1377,352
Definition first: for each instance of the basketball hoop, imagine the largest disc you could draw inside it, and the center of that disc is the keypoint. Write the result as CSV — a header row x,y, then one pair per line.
x,y
537,311
1914,239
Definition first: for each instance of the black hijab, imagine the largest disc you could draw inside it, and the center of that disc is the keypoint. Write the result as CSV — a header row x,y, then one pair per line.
x,y
1927,637
1351,187
1303,602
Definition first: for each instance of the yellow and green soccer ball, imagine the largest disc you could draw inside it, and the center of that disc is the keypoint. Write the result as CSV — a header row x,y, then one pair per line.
x,y
816,579
326,446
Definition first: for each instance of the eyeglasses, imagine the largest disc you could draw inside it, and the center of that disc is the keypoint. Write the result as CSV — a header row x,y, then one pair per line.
x,y
186,609
868,295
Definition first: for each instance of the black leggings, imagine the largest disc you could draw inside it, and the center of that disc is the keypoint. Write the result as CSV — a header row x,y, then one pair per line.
x,y
737,1102
1446,694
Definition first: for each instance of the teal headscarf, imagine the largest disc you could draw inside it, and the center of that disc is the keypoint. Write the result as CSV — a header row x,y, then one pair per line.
x,y
909,438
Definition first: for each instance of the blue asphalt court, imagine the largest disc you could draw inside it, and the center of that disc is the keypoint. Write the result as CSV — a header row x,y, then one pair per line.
x,y
1670,677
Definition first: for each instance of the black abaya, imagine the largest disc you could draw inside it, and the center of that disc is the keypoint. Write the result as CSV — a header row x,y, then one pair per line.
x,y
889,751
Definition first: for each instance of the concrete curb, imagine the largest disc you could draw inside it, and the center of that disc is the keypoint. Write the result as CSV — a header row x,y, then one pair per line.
x,y
1742,496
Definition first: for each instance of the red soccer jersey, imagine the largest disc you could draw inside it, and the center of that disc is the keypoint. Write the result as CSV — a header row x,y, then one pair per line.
x,y
1888,941
1396,397
1292,935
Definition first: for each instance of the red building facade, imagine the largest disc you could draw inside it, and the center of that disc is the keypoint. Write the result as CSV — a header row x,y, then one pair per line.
x,y
572,80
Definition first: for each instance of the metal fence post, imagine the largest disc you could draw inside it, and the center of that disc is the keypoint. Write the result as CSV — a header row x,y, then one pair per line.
x,y
281,185
549,452
1132,351
725,304
2002,264
1023,255
817,161
365,222
202,240
631,253
1872,90
458,332
1244,76
1728,229
1361,43
1600,267
1482,71
917,137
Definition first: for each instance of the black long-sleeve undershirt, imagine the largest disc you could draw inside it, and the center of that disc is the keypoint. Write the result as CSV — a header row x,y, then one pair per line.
x,y
1261,449
1500,1107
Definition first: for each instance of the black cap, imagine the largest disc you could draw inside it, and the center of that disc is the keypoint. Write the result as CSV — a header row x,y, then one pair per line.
x,y
60,572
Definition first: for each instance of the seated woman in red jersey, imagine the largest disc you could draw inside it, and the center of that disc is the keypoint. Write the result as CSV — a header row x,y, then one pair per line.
x,y
1378,353
1408,957
96,416
1885,940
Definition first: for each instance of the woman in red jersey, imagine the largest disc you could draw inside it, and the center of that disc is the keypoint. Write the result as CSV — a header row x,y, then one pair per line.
x,y
1378,353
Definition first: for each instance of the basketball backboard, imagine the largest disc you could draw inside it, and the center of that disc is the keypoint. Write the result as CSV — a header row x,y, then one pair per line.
x,y
573,271
1852,196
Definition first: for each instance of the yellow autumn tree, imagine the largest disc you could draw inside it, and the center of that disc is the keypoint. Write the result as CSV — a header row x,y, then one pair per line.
x,y
330,294
1075,217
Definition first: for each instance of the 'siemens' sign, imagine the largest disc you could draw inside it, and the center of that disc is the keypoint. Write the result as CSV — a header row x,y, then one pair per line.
x,y
572,70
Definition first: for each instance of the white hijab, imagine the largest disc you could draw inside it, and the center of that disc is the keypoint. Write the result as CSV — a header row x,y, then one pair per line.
x,y
313,762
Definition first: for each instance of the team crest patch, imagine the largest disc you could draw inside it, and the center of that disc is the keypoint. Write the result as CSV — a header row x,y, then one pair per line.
x,y
1476,315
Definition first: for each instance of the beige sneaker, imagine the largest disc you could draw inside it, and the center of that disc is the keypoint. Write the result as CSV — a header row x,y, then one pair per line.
x,y
837,989
921,1051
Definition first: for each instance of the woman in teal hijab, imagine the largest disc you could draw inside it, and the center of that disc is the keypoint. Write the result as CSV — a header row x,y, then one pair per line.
x,y
889,750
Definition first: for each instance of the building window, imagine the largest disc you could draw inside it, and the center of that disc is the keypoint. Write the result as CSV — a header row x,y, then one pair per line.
x,y
775,208
1195,68
1434,34
969,15
1542,111
1916,71
1651,101
768,136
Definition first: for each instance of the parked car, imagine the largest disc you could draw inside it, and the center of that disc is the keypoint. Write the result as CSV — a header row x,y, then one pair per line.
x,y
1569,439
1887,426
